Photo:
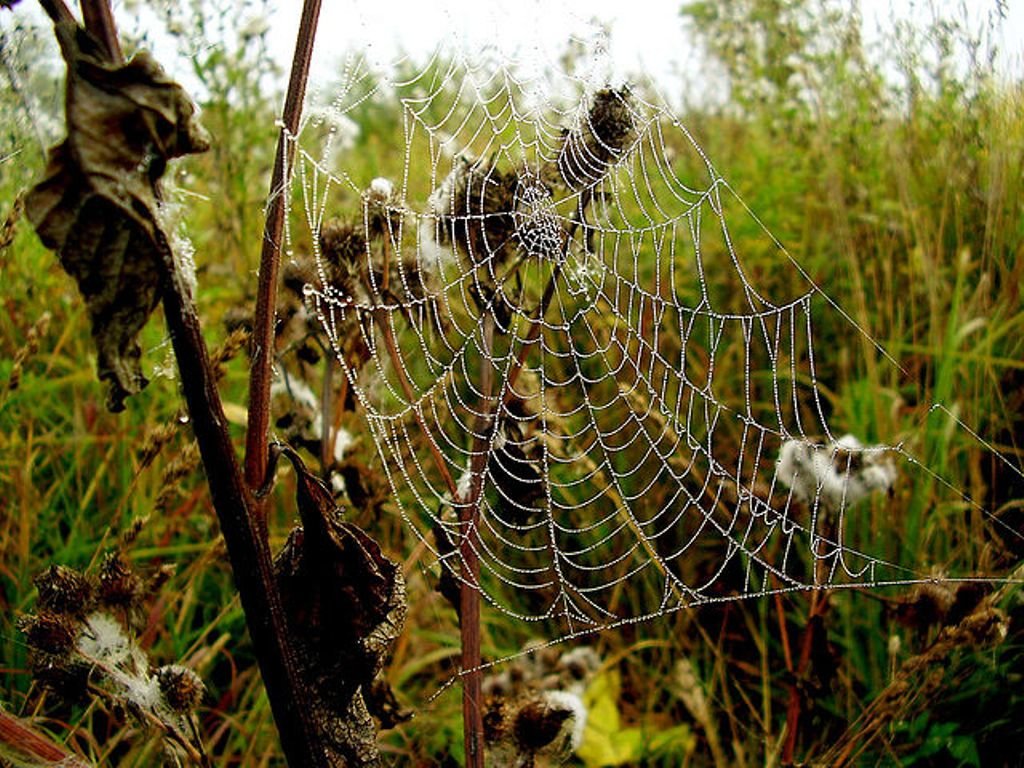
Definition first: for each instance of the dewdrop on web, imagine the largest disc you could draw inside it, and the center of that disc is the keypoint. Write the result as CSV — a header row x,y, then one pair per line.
x,y
838,474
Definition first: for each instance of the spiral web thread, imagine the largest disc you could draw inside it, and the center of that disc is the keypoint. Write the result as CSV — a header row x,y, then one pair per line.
x,y
657,437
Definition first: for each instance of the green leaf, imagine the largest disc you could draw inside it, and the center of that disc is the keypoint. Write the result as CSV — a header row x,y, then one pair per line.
x,y
607,743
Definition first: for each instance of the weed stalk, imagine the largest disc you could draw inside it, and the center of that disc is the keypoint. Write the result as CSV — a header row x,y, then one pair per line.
x,y
243,529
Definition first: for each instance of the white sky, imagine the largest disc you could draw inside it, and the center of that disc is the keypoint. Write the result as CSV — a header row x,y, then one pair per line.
x,y
645,35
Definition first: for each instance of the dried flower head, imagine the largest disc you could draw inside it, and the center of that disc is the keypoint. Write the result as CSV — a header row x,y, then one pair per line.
x,y
182,688
579,664
383,215
54,634
345,255
119,585
601,140
539,721
475,208
547,723
64,590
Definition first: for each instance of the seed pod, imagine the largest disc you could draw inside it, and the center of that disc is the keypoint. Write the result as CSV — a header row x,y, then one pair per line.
x,y
344,251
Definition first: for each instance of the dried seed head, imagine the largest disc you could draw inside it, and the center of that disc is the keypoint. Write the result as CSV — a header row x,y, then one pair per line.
x,y
235,342
69,681
182,688
131,533
296,275
119,585
341,244
495,719
589,150
579,663
160,577
383,215
29,348
10,225
52,633
345,256
155,440
475,208
64,590
539,722
178,468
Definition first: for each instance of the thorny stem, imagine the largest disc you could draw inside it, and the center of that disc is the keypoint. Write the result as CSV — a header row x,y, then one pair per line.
x,y
244,531
261,372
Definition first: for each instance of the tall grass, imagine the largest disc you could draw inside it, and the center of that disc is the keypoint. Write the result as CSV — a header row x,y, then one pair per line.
x,y
894,178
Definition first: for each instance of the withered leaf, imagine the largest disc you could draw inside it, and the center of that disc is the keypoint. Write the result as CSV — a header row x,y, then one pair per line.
x,y
345,603
97,205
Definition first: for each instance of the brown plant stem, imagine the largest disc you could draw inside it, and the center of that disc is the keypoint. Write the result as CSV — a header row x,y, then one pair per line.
x,y
244,531
100,22
57,10
814,627
262,344
469,587
29,744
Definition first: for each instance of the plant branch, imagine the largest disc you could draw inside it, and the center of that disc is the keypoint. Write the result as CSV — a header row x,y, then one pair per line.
x,y
469,587
243,529
258,433
407,389
57,10
100,22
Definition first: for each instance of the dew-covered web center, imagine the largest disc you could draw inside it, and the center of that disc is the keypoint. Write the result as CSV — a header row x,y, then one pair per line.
x,y
538,228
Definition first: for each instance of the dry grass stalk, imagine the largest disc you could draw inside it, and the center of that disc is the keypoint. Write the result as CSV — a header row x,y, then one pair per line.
x,y
920,679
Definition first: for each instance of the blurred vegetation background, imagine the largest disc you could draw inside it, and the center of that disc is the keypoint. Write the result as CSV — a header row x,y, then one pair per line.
x,y
893,175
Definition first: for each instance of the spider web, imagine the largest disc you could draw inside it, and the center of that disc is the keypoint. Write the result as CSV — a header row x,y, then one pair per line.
x,y
565,365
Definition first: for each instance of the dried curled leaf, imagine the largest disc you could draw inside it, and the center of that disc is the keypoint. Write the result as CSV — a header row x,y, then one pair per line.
x,y
345,602
97,204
